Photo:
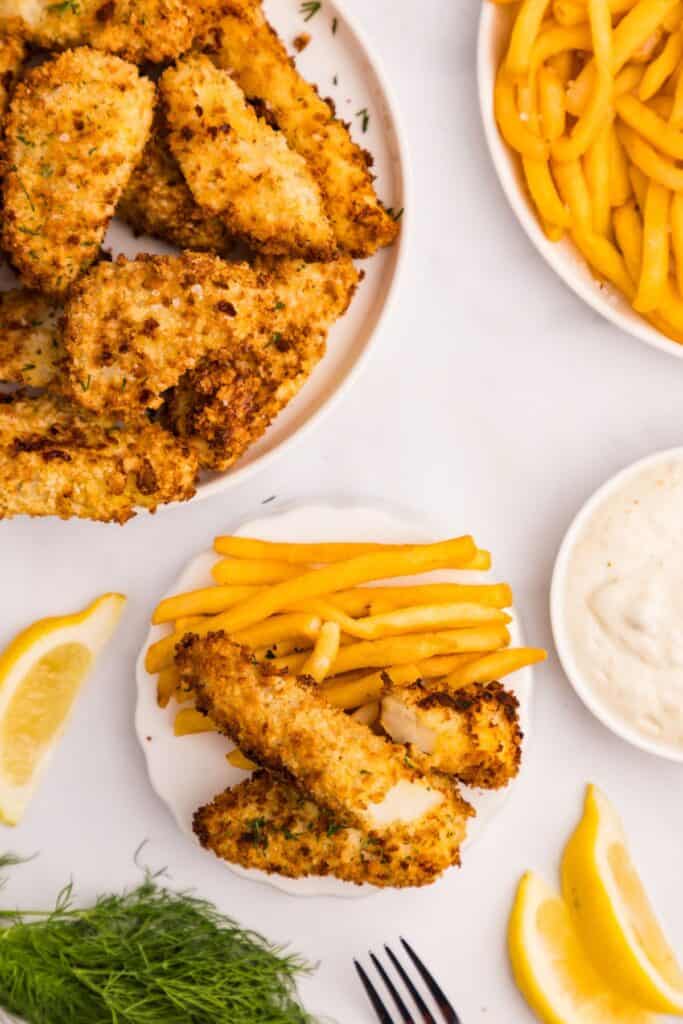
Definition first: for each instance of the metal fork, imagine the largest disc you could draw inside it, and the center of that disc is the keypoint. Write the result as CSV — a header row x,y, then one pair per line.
x,y
448,1013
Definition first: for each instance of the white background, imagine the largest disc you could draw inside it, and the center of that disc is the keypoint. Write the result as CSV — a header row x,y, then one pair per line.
x,y
495,402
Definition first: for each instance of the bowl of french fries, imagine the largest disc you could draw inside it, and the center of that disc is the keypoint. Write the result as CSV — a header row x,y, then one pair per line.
x,y
582,103
361,602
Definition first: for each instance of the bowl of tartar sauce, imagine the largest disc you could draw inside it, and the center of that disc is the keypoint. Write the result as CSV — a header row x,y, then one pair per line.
x,y
617,604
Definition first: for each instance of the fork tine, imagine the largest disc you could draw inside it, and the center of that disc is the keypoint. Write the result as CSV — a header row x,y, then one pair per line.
x,y
380,1009
419,1001
450,1016
395,995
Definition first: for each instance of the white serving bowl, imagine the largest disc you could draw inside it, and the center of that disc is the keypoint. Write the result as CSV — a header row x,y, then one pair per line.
x,y
600,708
563,257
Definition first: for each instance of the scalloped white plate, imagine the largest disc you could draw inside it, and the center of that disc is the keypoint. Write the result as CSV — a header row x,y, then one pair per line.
x,y
360,86
189,771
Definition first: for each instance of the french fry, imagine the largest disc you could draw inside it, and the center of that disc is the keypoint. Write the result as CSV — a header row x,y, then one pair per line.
x,y
187,622
628,229
649,161
671,306
321,659
597,170
425,619
160,654
298,554
620,188
235,570
605,259
654,271
628,79
551,103
639,183
167,682
513,129
544,193
342,575
677,236
278,627
676,115
654,129
494,666
571,183
189,722
661,68
375,600
524,33
481,562
570,12
430,668
354,694
238,760
207,601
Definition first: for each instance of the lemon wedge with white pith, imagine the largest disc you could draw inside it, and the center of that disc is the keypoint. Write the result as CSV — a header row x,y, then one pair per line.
x,y
551,968
613,914
41,673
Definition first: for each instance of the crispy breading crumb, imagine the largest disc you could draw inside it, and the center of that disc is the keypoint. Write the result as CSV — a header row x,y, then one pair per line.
x,y
247,46
239,167
12,53
58,459
65,166
30,350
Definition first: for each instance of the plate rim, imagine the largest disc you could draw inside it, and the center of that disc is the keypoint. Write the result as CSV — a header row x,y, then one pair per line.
x,y
233,477
552,253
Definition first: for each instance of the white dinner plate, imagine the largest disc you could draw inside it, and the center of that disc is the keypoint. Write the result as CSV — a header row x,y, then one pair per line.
x,y
189,771
344,68
565,259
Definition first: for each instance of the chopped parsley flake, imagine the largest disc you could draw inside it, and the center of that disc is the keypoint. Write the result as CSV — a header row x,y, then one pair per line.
x,y
310,8
365,118
335,23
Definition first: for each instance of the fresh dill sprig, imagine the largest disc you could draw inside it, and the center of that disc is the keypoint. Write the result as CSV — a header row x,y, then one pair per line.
x,y
143,957
309,8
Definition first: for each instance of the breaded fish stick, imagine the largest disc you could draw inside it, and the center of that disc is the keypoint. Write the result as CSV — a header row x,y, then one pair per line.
x,y
272,825
240,168
471,733
157,202
57,459
286,725
29,348
139,30
132,328
247,47
75,130
12,53
226,403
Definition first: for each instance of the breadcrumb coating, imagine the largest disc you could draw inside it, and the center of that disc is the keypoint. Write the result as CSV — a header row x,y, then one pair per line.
x,y
472,733
139,30
132,327
12,53
57,459
239,167
287,726
227,403
247,47
272,825
30,351
75,129
157,202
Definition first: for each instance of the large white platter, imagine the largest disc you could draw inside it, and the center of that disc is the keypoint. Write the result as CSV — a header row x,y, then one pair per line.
x,y
344,68
189,771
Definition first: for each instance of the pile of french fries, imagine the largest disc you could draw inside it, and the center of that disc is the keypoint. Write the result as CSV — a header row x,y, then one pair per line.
x,y
590,94
305,609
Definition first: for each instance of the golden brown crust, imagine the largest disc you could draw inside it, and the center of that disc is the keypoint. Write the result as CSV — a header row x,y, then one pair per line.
x,y
75,129
157,202
132,327
30,351
57,459
273,826
476,731
225,404
12,53
247,47
240,168
139,30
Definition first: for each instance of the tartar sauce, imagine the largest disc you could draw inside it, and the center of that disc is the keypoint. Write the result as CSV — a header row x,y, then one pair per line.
x,y
623,601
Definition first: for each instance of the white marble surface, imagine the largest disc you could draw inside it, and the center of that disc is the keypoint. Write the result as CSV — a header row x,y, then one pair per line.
x,y
495,402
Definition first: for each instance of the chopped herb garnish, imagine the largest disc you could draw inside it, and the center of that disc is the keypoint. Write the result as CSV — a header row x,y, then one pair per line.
x,y
45,170
25,141
365,118
394,214
28,231
279,305
310,8
267,501
335,23
255,833
333,828
63,6
123,383
335,80
86,384
29,366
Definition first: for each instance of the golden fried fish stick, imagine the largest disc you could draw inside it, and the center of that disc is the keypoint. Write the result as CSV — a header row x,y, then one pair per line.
x,y
273,826
157,202
240,168
12,53
30,351
247,47
230,399
471,733
58,459
75,130
286,725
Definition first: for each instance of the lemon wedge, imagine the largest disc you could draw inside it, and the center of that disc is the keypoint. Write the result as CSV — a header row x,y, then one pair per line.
x,y
550,966
613,914
41,673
